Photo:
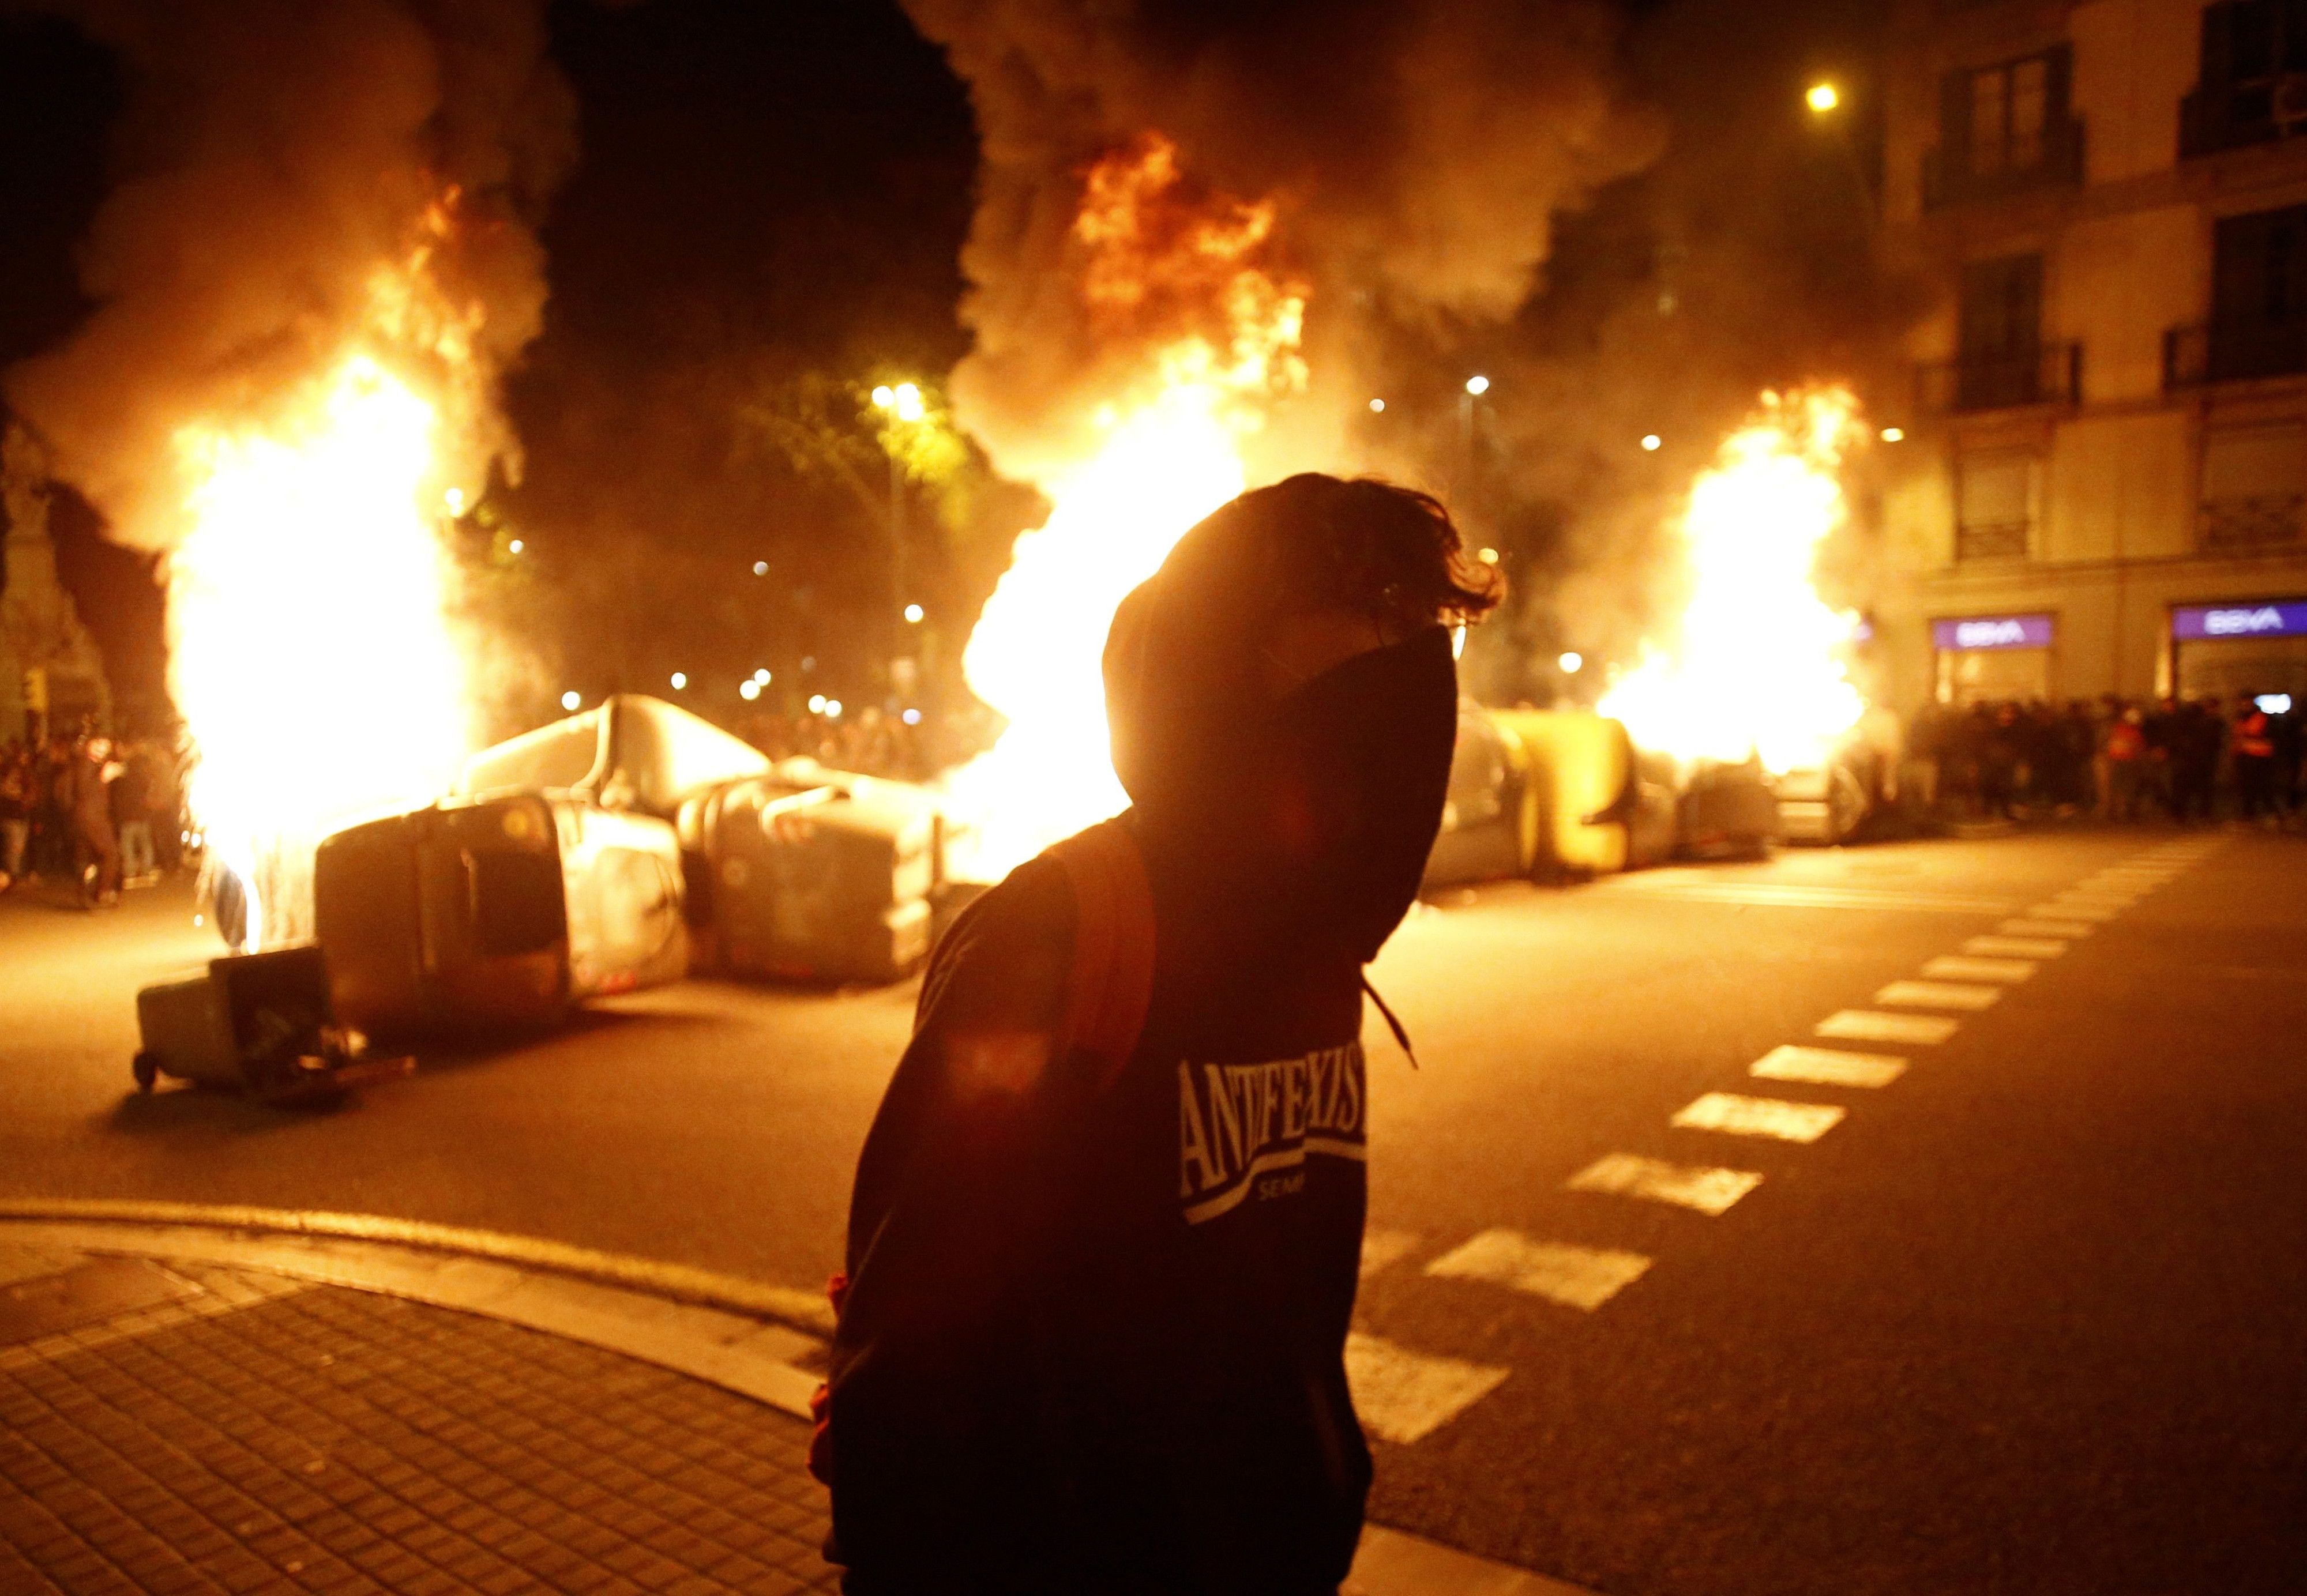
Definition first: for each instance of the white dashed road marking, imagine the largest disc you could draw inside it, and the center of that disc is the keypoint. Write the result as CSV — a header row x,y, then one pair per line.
x,y
1382,1248
2047,928
1687,1186
1939,995
1582,1277
1775,1117
2067,909
1404,1397
1867,1025
1828,1066
1956,967
2016,947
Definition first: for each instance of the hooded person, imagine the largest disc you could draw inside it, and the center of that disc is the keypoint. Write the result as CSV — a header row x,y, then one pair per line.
x,y
1092,1332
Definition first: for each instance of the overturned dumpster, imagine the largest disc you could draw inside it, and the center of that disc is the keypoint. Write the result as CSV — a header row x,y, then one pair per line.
x,y
494,912
811,873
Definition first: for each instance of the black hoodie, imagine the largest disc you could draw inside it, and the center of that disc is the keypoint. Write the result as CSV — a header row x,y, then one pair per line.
x,y
1093,1339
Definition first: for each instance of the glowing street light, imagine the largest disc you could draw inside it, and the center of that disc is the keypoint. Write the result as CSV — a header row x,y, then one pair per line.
x,y
762,675
833,709
749,689
1487,556
761,568
1572,662
516,545
1822,98
1893,434
1651,441
817,704
1477,385
1378,406
904,400
914,614
570,700
680,681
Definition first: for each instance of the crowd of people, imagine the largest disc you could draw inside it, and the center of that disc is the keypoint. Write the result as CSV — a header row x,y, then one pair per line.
x,y
2181,759
98,813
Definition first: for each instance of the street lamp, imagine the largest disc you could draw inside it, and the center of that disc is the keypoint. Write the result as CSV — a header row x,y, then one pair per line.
x,y
1651,442
1572,662
1824,99
1477,385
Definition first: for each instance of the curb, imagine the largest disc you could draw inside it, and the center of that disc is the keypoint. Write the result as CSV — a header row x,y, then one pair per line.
x,y
736,1351
806,1311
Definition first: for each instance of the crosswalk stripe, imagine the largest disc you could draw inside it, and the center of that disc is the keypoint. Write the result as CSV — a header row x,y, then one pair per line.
x,y
1736,1114
1827,1066
1404,1397
2021,947
1384,1248
1687,1186
2122,899
1957,967
2065,909
1939,995
1581,1277
2053,927
1868,1025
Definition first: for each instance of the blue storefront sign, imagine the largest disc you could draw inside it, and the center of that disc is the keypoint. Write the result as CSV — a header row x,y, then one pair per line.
x,y
1993,631
2193,622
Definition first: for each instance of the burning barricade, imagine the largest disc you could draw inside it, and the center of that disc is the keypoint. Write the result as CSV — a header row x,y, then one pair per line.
x,y
619,848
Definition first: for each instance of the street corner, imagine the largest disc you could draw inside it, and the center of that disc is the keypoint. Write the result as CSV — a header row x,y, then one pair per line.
x,y
220,1409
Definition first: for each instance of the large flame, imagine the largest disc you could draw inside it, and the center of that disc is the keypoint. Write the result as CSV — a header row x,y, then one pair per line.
x,y
310,651
1756,668
1169,457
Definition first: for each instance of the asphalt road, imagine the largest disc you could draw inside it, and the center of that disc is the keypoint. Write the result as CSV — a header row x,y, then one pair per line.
x,y
2027,1317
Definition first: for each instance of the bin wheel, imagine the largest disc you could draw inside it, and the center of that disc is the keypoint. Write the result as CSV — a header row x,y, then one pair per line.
x,y
146,1071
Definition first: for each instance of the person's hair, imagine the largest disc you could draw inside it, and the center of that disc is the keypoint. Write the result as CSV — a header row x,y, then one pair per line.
x,y
1374,548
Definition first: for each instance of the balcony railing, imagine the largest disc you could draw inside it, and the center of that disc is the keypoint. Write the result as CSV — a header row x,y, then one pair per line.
x,y
2233,352
2227,525
1957,181
2218,116
2049,374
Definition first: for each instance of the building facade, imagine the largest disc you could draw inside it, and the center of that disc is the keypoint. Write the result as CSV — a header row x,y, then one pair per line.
x,y
52,679
2102,482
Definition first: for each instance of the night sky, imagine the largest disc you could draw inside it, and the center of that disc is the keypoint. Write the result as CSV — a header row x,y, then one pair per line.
x,y
771,190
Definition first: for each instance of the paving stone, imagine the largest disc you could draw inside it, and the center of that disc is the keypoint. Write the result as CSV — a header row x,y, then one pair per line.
x,y
205,1453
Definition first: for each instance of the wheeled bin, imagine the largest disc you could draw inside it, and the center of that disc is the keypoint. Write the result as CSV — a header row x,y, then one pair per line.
x,y
481,913
257,1023
810,874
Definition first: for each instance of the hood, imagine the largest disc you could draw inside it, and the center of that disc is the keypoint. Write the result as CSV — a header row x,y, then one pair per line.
x,y
1293,829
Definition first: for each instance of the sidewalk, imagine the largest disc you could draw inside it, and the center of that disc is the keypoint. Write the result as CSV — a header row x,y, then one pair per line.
x,y
233,1406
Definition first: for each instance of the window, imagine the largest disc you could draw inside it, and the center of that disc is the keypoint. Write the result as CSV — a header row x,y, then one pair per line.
x,y
2253,86
2000,357
2254,485
1994,506
2006,126
2258,294
2006,116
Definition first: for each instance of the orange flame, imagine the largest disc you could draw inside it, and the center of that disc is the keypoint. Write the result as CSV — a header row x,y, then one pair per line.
x,y
310,652
1182,275
1755,667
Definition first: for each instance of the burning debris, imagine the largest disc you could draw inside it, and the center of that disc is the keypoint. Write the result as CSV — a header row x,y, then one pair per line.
x,y
1756,667
1196,238
315,268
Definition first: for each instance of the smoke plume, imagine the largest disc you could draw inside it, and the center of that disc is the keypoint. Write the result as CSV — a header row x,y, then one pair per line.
x,y
1414,153
296,182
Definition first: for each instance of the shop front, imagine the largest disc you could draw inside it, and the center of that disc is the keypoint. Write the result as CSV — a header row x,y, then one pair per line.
x,y
1988,657
2257,646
